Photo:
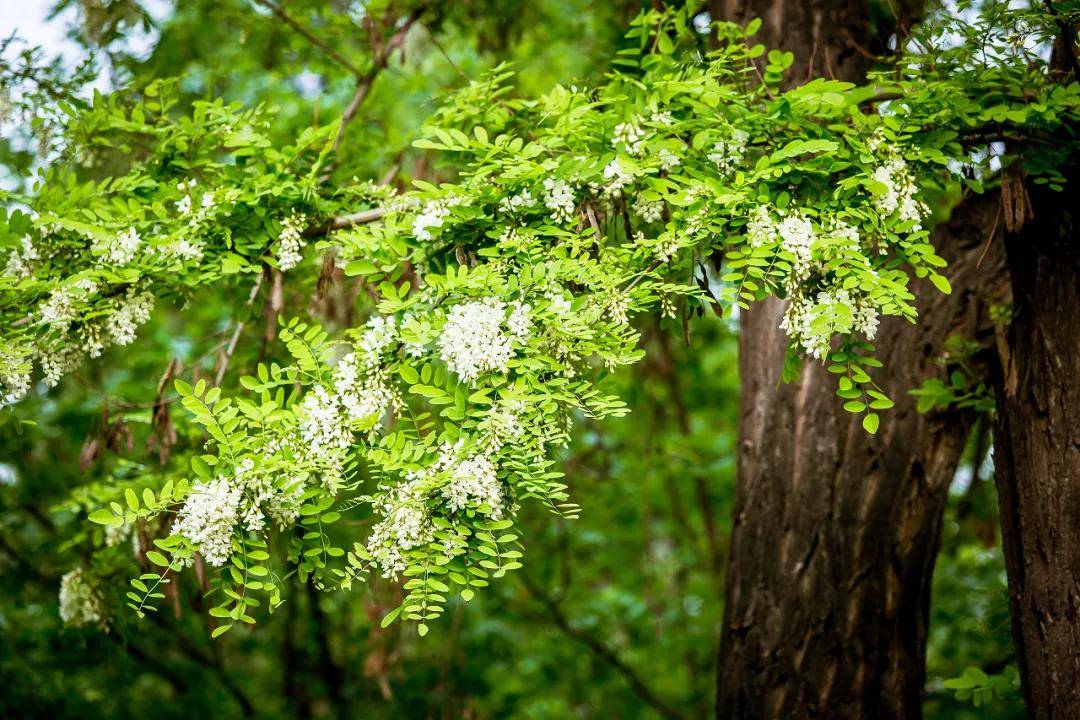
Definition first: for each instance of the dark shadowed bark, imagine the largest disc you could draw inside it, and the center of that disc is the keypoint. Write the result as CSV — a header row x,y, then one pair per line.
x,y
835,531
1037,452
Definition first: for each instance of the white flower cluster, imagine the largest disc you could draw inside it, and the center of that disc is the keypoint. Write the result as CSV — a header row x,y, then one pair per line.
x,y
57,362
406,524
517,203
208,518
123,248
80,603
811,321
795,234
617,177
667,247
259,498
129,313
473,481
184,249
364,392
899,193
559,200
321,427
649,211
432,215
186,205
474,341
630,136
20,260
668,160
502,425
291,241
797,237
14,378
729,153
662,118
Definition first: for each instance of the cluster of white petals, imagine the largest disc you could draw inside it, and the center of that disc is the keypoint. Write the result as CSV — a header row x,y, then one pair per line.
x,y
208,518
474,483
123,248
729,153
474,339
811,321
129,313
668,160
649,210
617,176
80,603
517,203
291,241
559,199
431,216
630,136
899,193
406,524
20,259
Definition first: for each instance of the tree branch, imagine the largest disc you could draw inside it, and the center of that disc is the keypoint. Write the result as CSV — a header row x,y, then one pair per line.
x,y
558,617
311,37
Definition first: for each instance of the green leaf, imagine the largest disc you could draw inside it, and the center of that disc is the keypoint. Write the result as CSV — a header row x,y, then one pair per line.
x,y
870,423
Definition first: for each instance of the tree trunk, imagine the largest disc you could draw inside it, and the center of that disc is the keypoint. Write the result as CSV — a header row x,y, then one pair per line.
x,y
835,531
1037,452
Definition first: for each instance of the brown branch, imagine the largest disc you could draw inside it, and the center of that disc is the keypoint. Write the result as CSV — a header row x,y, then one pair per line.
x,y
558,617
346,221
311,37
379,62
230,348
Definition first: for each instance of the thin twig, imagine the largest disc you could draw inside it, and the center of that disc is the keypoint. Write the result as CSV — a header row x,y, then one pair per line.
x,y
311,37
230,348
600,650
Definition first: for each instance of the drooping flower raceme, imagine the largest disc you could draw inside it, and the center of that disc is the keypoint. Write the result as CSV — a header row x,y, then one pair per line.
x,y
474,340
123,247
208,518
291,241
80,603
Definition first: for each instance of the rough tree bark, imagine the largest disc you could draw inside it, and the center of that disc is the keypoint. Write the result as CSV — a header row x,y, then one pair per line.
x,y
836,532
1037,452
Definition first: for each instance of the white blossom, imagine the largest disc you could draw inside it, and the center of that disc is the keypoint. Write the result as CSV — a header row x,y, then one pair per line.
x,y
797,237
668,159
131,312
519,322
559,200
208,518
433,215
18,264
473,481
617,177
321,426
649,210
80,602
123,247
761,229
516,203
630,136
57,362
291,241
898,193
406,524
473,340
727,154
662,118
